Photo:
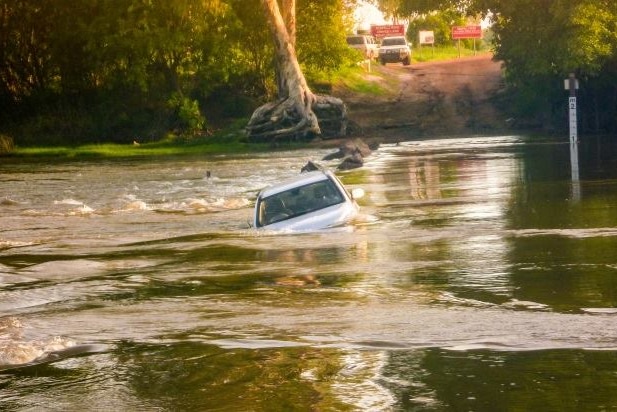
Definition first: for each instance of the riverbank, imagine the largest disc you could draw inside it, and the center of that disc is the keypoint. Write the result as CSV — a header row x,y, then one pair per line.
x,y
438,98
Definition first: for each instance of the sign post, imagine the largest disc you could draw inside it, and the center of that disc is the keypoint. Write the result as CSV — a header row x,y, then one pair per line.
x,y
426,37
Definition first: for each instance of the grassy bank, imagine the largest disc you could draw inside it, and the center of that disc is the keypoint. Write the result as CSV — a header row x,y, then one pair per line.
x,y
428,53
227,141
111,150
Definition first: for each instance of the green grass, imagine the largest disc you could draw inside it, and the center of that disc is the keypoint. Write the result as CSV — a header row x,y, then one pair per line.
x,y
228,141
355,79
114,150
111,150
428,53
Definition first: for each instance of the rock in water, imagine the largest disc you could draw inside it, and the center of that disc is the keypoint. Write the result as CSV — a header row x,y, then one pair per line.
x,y
348,148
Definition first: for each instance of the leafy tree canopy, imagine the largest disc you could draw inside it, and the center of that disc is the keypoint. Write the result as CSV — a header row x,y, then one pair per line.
x,y
120,70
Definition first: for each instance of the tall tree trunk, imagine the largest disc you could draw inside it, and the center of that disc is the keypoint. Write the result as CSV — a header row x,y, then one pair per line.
x,y
288,13
293,115
289,17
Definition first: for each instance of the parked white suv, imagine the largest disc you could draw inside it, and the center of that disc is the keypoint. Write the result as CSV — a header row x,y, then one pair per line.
x,y
395,49
365,43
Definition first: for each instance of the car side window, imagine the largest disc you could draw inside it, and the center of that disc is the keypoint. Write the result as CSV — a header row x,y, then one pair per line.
x,y
325,194
275,210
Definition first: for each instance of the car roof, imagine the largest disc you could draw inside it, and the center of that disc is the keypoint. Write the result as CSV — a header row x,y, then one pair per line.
x,y
296,181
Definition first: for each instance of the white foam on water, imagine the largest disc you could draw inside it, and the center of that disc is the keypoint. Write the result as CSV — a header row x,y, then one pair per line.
x,y
15,350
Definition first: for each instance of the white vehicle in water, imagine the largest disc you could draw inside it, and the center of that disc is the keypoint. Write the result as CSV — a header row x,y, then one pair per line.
x,y
310,201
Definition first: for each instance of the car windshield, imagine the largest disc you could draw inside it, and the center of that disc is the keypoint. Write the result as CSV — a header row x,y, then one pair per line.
x,y
298,201
355,40
395,41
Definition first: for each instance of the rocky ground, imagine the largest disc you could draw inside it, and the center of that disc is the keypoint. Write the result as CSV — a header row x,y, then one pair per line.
x,y
430,99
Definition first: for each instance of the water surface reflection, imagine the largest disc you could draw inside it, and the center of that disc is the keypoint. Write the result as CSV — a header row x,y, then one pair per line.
x,y
477,280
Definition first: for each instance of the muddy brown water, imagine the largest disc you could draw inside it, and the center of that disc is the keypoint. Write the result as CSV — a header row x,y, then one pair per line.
x,y
478,277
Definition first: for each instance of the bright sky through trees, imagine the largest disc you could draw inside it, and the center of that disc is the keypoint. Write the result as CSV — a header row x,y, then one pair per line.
x,y
367,14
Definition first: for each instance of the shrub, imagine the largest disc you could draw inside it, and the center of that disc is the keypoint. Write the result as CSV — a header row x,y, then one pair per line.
x,y
189,117
6,144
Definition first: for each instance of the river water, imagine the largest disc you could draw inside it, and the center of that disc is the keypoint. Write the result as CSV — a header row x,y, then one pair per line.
x,y
479,276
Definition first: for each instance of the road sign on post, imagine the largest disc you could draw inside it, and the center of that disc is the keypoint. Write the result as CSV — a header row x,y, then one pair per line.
x,y
385,30
426,37
466,32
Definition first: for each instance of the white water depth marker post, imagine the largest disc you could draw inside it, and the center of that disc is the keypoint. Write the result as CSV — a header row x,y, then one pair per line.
x,y
571,84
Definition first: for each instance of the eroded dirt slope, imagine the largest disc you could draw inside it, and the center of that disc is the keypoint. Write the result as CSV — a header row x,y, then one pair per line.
x,y
451,97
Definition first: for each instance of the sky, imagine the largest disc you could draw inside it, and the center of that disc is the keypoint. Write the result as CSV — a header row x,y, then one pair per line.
x,y
367,14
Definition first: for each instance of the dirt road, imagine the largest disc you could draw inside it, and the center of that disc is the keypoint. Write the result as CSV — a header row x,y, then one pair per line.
x,y
429,99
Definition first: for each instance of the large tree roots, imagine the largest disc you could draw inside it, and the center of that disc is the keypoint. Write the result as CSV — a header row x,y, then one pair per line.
x,y
288,119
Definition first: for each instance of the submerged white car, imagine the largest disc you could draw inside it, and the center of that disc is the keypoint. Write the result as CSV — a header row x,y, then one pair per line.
x,y
310,201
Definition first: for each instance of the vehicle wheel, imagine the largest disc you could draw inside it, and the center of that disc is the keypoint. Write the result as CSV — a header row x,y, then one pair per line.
x,y
406,61
383,62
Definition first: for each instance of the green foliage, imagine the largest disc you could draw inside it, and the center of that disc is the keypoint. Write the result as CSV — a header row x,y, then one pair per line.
x,y
413,8
440,22
189,117
321,44
542,41
78,71
105,69
596,35
248,60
